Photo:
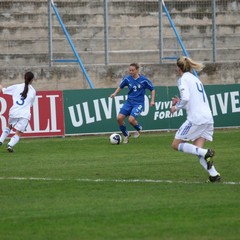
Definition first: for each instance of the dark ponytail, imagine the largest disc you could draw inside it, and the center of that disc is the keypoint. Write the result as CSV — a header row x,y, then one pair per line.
x,y
28,79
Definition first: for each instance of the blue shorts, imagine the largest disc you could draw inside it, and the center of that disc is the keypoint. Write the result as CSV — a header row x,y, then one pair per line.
x,y
132,109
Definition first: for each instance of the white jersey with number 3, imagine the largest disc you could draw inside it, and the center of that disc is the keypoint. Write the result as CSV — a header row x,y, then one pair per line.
x,y
193,94
21,107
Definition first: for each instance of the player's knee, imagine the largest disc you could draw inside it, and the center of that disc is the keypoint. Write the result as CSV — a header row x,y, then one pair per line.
x,y
131,120
120,119
175,145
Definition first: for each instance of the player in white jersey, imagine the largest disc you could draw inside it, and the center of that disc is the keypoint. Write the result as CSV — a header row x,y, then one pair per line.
x,y
23,96
198,127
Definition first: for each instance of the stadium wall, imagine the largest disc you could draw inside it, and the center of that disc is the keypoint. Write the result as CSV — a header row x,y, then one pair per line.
x,y
133,35
71,77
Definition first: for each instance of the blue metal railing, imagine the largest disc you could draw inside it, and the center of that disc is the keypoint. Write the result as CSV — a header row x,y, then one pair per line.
x,y
78,59
176,33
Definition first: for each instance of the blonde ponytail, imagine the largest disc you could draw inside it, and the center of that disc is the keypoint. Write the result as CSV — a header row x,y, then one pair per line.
x,y
186,64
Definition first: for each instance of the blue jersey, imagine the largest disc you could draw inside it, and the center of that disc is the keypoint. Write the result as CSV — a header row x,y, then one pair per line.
x,y
136,88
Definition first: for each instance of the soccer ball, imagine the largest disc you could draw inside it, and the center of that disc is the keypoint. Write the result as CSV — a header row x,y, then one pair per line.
x,y
115,138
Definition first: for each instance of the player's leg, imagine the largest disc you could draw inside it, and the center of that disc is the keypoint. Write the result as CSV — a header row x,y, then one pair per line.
x,y
190,132
5,133
14,140
136,111
212,171
20,126
214,176
122,125
186,147
185,133
124,112
133,121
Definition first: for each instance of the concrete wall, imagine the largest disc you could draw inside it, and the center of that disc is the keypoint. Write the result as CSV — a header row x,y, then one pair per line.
x,y
133,37
71,77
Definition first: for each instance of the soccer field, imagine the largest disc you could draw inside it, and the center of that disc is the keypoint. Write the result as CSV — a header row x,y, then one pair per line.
x,y
85,188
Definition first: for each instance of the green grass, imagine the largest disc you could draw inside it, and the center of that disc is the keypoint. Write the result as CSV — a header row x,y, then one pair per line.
x,y
47,190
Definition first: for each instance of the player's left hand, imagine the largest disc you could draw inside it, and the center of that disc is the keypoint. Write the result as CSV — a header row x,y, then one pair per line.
x,y
175,100
173,109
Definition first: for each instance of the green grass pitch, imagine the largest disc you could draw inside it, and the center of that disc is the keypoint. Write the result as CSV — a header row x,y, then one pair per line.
x,y
85,188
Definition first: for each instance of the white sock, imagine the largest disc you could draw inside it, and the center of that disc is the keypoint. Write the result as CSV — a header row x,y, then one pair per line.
x,y
5,133
192,149
14,140
203,163
212,171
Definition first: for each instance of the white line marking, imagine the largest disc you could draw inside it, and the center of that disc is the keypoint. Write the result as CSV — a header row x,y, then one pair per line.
x,y
107,180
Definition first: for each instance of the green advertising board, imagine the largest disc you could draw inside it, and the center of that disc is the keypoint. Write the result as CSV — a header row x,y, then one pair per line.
x,y
224,101
93,111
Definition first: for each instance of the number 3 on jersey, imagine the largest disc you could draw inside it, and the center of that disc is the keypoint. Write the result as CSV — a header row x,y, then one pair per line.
x,y
21,102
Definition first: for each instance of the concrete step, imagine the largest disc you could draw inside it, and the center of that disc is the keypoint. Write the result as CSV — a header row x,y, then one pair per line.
x,y
179,6
196,18
91,12
146,19
118,7
21,19
76,31
115,57
133,26
121,19
114,44
127,6
37,6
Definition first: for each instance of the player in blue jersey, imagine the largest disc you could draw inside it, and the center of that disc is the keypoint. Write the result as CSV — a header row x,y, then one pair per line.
x,y
134,105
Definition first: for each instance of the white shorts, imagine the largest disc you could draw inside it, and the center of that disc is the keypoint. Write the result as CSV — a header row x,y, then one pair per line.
x,y
191,132
19,124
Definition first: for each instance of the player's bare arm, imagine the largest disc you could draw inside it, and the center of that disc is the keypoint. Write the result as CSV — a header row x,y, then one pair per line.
x,y
116,92
152,103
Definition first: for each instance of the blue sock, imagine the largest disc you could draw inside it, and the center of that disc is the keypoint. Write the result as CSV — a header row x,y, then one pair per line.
x,y
138,127
124,130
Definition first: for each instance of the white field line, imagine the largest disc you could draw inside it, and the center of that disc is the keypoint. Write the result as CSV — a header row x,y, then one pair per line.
x,y
107,180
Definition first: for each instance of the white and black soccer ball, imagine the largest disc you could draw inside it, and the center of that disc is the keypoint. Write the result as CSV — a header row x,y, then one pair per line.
x,y
115,138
